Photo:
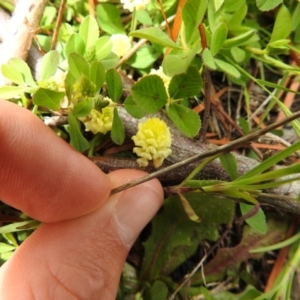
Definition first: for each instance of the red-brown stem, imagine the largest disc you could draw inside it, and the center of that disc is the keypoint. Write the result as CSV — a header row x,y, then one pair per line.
x,y
165,18
58,23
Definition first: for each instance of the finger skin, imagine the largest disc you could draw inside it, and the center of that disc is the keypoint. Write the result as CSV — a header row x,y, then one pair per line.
x,y
80,258
40,173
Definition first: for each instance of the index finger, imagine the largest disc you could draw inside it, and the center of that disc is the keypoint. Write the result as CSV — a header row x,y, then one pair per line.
x,y
42,175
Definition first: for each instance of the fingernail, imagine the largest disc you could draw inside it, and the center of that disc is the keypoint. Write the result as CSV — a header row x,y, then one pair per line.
x,y
134,209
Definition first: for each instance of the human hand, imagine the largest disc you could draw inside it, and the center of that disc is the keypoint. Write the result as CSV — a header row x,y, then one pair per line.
x,y
79,250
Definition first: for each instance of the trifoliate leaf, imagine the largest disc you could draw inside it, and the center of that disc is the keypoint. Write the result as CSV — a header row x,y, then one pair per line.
x,y
185,119
186,85
150,93
133,109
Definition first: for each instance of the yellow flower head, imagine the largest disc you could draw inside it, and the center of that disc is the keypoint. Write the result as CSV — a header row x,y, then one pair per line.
x,y
153,141
98,121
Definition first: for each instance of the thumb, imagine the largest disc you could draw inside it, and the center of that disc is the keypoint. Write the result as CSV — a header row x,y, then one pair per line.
x,y
82,258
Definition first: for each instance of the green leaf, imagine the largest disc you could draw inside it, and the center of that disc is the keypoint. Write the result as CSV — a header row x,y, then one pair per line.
x,y
155,35
143,17
70,80
283,25
103,47
21,66
158,291
10,238
8,92
239,39
6,248
265,5
208,59
49,65
78,141
258,221
144,57
117,130
48,98
228,162
12,74
109,19
244,125
227,68
218,38
192,15
296,18
75,44
78,65
110,61
233,5
97,74
185,119
83,108
238,16
174,237
89,31
133,109
19,226
238,54
218,4
185,85
114,84
178,63
150,93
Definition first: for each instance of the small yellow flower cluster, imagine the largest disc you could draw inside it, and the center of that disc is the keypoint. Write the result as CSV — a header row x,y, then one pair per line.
x,y
166,79
55,82
134,4
153,141
82,88
120,44
98,121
